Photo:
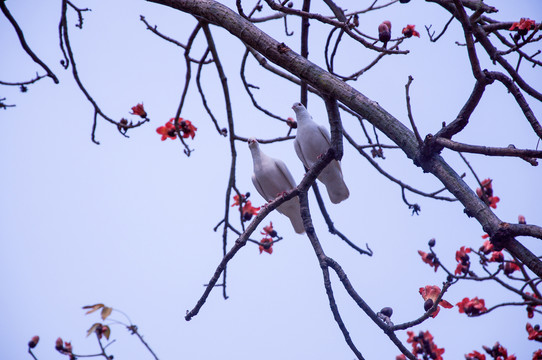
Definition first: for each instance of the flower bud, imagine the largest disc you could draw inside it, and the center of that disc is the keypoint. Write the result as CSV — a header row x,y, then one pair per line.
x,y
384,32
33,342
521,219
428,304
59,344
387,311
431,243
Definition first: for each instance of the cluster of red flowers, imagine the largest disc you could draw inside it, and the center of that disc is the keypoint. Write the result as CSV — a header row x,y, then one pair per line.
x,y
422,344
463,260
486,193
429,258
185,127
472,307
247,210
497,352
266,244
534,332
523,26
430,294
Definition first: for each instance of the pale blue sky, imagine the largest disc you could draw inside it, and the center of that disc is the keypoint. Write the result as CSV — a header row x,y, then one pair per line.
x,y
129,222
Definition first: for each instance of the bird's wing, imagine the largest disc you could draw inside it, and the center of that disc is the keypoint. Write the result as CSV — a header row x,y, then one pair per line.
x,y
260,189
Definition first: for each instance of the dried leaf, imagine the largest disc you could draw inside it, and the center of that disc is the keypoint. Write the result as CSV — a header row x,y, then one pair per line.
x,y
106,331
93,328
106,311
93,308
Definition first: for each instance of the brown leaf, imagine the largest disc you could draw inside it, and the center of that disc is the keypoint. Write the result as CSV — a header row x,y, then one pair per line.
x,y
93,308
93,328
106,311
106,331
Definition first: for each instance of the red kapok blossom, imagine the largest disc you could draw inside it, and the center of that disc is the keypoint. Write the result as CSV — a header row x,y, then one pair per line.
x,y
496,256
266,245
530,307
463,259
523,26
400,357
429,258
472,307
384,32
487,191
431,292
409,31
534,332
249,210
167,131
510,267
422,344
139,110
487,247
537,355
186,127
461,254
475,355
238,200
268,230
499,352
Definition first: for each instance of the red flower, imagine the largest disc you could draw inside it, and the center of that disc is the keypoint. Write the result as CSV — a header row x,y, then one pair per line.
x,y
510,267
268,230
237,200
496,256
429,259
430,294
249,210
384,32
530,308
472,307
266,245
487,191
534,332
186,127
463,259
523,26
521,219
403,357
423,344
485,236
409,31
139,110
537,355
499,352
461,254
475,355
167,131
487,247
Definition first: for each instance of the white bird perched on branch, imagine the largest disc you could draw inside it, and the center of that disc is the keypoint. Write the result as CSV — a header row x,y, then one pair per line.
x,y
312,141
271,178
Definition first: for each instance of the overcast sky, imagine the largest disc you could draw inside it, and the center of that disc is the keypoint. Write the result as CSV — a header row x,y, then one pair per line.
x,y
129,223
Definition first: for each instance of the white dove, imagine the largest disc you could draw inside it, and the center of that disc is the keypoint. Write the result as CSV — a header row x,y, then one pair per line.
x,y
271,178
312,141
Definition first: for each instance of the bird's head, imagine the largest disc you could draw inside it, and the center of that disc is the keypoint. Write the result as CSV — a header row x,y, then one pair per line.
x,y
252,143
297,106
